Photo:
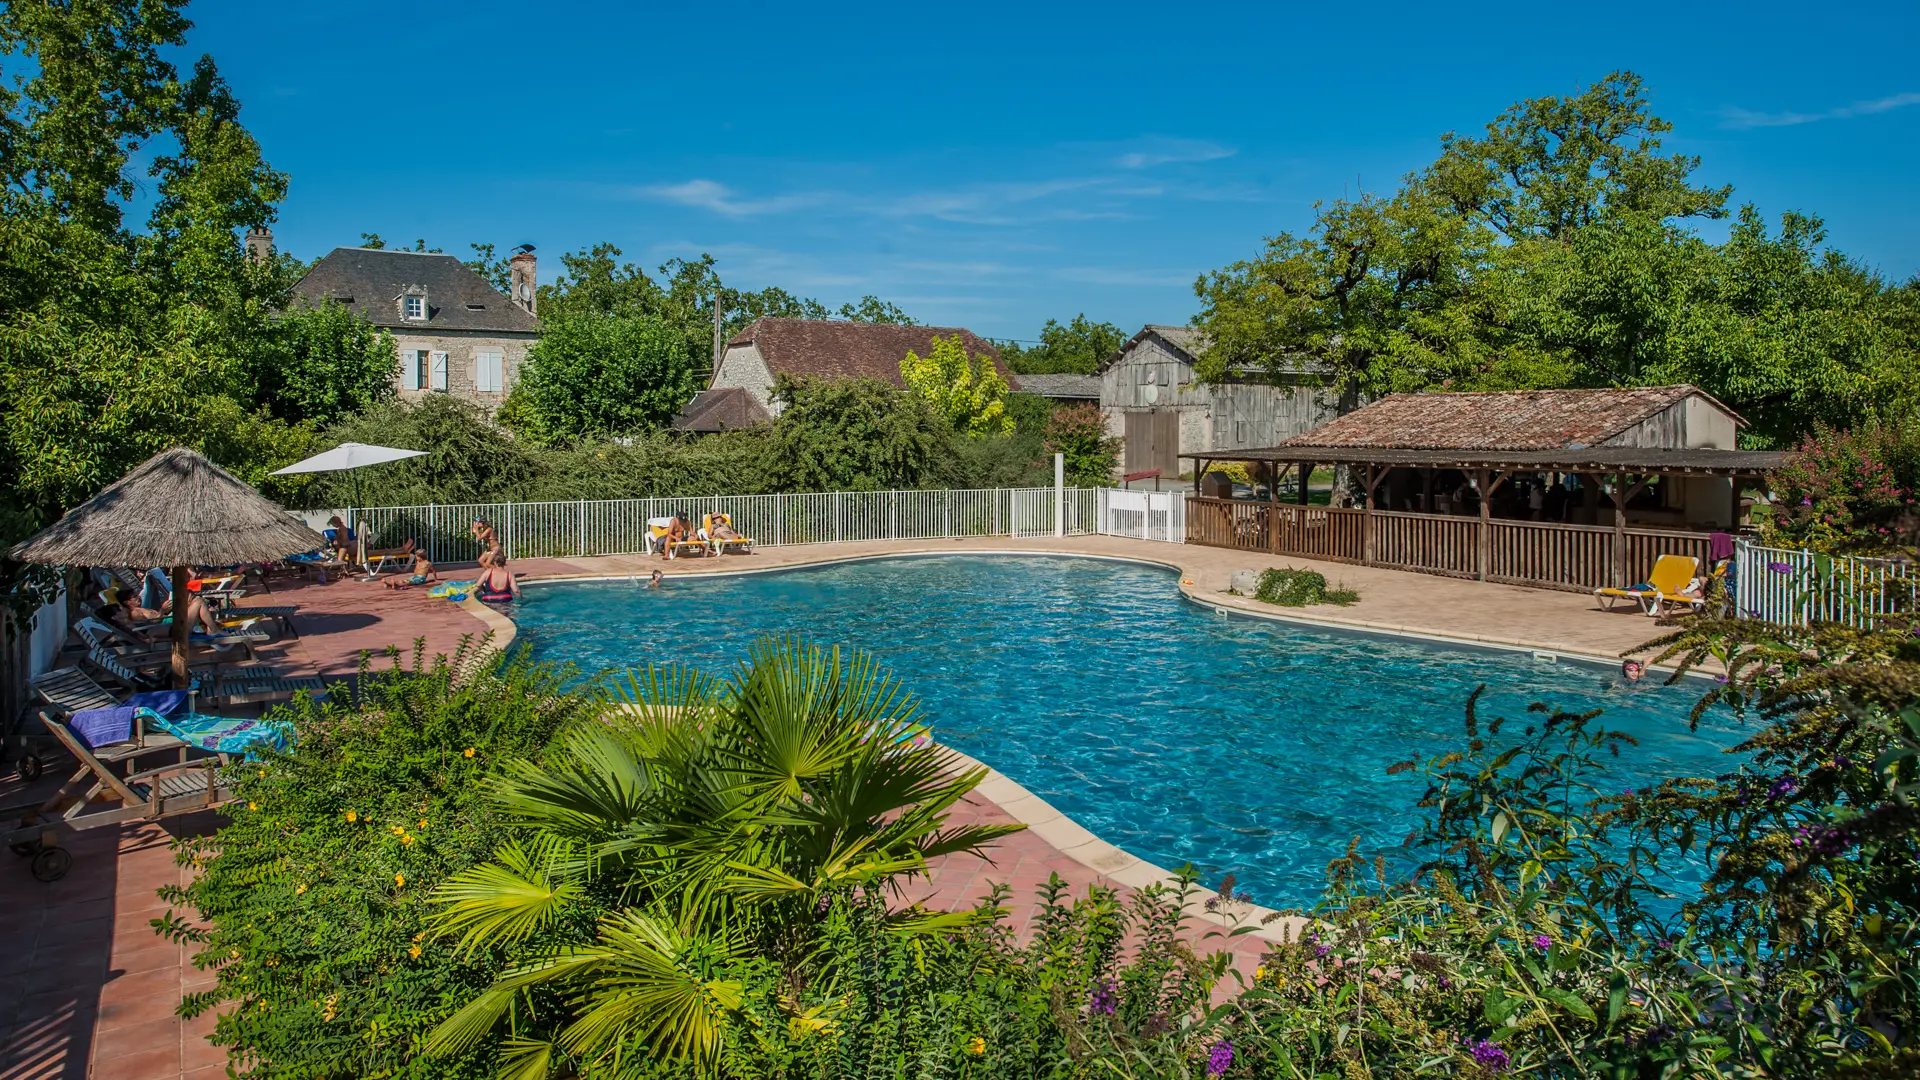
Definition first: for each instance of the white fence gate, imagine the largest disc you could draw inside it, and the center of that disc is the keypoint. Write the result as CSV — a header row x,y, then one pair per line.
x,y
1144,515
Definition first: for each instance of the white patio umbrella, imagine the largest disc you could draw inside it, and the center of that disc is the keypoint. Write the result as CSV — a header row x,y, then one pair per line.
x,y
346,456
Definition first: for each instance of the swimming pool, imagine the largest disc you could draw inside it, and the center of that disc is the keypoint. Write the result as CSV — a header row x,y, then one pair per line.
x,y
1239,745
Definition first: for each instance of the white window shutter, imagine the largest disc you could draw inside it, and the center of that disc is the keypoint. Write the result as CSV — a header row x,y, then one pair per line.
x,y
439,371
409,370
480,372
486,371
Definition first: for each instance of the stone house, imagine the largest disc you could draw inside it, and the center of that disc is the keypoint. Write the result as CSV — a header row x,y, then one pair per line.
x,y
829,349
455,333
1154,404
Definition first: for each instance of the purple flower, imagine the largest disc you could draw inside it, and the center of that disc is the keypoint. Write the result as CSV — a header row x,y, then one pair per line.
x,y
1542,942
1219,1057
1665,943
1100,1002
1780,568
1784,787
1322,950
1446,983
1489,1054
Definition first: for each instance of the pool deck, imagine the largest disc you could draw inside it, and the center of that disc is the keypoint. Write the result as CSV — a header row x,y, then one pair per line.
x,y
88,991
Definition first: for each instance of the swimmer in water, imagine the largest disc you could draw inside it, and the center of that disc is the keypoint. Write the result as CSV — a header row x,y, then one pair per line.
x,y
1633,670
654,581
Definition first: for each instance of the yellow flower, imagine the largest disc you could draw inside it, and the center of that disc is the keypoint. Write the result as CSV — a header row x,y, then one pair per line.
x,y
400,880
253,806
419,935
423,823
976,1046
301,889
405,839
414,952
352,817
263,772
1260,972
468,752
395,830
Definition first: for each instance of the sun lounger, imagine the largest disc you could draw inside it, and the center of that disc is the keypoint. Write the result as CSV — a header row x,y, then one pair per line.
x,y
1669,579
171,790
151,671
68,691
720,546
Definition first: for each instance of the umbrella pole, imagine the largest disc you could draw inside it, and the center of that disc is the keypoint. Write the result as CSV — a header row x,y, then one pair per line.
x,y
182,626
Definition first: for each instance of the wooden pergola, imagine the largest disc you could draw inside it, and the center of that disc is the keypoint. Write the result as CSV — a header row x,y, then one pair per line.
x,y
1623,471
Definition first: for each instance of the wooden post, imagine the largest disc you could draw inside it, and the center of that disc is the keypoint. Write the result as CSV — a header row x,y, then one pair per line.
x,y
1426,491
1371,478
1306,471
1487,482
1622,495
182,628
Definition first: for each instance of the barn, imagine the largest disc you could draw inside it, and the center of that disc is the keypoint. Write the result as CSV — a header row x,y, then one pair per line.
x,y
1154,404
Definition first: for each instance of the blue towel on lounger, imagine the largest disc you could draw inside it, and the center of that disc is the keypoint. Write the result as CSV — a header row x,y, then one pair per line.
x,y
114,724
224,734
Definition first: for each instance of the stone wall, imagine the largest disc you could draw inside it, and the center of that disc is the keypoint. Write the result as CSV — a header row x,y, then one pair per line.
x,y
462,349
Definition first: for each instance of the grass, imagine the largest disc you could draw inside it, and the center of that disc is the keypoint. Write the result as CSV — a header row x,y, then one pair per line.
x,y
1293,587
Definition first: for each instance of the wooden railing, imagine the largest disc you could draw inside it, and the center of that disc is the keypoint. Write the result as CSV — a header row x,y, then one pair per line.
x,y
1540,554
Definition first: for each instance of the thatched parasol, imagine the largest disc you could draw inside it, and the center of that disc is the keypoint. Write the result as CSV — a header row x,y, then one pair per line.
x,y
177,510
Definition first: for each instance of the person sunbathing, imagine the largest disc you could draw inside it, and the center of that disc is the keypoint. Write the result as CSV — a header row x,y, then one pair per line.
x,y
676,532
393,552
340,537
423,572
123,613
721,529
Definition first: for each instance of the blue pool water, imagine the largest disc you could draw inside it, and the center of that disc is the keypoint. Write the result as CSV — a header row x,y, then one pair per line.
x,y
1239,745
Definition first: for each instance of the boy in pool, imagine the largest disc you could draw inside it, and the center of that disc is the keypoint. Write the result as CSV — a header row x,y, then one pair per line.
x,y
1632,670
654,581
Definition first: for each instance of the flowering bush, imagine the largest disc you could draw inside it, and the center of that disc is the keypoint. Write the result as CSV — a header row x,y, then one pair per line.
x,y
1080,433
1849,492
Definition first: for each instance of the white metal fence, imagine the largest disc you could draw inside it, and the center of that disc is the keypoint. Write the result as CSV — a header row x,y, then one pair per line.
x,y
619,527
1793,588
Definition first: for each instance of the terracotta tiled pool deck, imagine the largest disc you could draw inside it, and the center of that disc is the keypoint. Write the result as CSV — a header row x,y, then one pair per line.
x,y
87,989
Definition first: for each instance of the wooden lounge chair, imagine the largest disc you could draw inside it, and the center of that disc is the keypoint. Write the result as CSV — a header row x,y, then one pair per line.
x,y
69,690
720,546
152,671
171,790
1670,577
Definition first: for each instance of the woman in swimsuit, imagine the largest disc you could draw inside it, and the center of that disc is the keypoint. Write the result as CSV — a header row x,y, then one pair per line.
x,y
496,584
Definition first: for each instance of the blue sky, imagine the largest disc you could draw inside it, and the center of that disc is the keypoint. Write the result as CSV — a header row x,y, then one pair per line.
x,y
992,166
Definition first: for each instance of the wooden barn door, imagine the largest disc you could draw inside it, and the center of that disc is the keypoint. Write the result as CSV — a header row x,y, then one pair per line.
x,y
1153,441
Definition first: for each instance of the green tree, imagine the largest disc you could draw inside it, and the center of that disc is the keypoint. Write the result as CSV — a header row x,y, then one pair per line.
x,y
602,374
118,341
853,435
1559,249
966,389
1074,349
322,364
872,309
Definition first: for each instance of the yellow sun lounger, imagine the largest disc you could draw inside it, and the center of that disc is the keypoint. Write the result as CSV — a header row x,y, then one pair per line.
x,y
720,546
674,548
1670,577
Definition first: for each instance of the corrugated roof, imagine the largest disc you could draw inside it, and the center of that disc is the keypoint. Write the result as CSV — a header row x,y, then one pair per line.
x,y
1499,420
1064,387
369,281
727,409
1638,459
836,349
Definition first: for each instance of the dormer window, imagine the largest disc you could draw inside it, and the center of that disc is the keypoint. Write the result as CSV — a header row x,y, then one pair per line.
x,y
412,304
416,307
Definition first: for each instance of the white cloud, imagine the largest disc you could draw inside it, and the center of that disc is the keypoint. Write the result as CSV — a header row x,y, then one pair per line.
x,y
1738,118
721,199
1156,150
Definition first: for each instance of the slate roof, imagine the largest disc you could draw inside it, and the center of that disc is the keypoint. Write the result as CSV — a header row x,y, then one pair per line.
x,y
1499,420
1062,387
369,281
727,409
1639,459
834,349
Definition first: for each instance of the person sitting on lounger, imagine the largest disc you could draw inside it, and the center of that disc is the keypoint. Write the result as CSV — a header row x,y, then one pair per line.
x,y
340,537
676,532
123,613
1696,590
722,530
423,572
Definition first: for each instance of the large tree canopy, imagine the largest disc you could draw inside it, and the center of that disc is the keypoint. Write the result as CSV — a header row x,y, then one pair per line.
x,y
598,374
1562,248
1076,348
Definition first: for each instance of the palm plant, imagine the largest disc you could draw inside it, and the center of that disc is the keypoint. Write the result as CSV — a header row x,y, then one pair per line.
x,y
685,845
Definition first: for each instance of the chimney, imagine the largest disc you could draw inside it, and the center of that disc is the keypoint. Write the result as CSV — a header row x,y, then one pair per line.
x,y
260,244
522,278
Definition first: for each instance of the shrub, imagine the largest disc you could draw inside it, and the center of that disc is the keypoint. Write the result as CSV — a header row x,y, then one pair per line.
x,y
1080,433
315,891
1293,587
1850,492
